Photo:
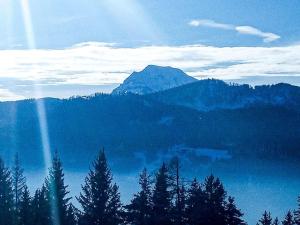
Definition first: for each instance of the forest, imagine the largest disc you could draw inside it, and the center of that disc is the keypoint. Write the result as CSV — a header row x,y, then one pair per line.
x,y
164,198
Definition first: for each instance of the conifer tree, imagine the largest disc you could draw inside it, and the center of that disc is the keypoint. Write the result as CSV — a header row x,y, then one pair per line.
x,y
139,210
195,204
57,193
41,208
19,183
276,221
114,206
233,215
289,219
98,195
180,207
25,209
297,213
178,192
266,219
215,201
6,196
161,213
71,215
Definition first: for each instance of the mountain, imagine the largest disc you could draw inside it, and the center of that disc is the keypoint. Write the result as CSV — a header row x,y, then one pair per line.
x,y
211,94
153,79
131,125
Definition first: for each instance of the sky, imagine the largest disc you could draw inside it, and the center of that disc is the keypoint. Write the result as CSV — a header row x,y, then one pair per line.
x,y
64,48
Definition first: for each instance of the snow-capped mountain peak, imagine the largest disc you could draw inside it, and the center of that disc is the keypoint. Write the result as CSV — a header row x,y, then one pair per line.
x,y
153,79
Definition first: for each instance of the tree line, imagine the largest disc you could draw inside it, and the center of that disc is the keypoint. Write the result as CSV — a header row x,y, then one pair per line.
x,y
163,199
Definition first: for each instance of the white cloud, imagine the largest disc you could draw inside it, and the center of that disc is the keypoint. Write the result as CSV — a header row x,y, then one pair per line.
x,y
267,37
211,23
249,30
7,95
104,64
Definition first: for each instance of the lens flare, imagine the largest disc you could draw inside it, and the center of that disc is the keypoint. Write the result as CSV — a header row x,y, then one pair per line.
x,y
40,105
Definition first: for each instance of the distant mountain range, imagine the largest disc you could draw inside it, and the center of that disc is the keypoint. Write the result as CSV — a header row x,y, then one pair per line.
x,y
173,86
261,121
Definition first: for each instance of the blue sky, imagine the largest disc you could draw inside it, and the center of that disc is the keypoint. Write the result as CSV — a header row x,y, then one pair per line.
x,y
190,34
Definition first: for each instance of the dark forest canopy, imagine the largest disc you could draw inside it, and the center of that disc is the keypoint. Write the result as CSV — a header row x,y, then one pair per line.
x,y
164,198
130,123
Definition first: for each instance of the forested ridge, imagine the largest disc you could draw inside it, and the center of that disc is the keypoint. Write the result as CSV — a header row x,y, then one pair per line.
x,y
165,198
128,124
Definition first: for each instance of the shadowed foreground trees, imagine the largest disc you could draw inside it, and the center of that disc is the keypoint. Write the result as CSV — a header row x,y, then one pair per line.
x,y
163,199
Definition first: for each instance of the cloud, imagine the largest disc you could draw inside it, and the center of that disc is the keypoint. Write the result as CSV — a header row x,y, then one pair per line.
x,y
98,64
211,23
249,30
7,95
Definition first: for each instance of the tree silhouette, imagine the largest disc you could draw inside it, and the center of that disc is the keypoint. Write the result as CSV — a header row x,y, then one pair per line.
x,y
195,204
25,211
6,196
266,219
233,215
161,213
289,219
19,183
41,207
214,201
99,199
57,193
139,209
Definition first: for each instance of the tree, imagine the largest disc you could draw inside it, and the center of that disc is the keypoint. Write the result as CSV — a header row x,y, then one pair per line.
x,y
276,221
138,211
114,206
19,183
6,195
99,198
195,204
266,219
71,215
162,198
178,192
233,215
297,213
25,209
40,208
289,219
56,191
214,195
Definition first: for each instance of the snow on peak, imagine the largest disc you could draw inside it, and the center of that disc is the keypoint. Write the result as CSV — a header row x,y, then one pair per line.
x,y
153,79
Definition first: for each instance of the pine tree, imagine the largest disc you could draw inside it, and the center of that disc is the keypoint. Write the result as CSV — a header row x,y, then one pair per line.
x,y
266,219
178,192
233,215
57,193
25,209
6,196
215,201
276,221
114,206
180,207
289,219
162,198
19,183
138,211
71,215
99,195
41,208
297,213
195,205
